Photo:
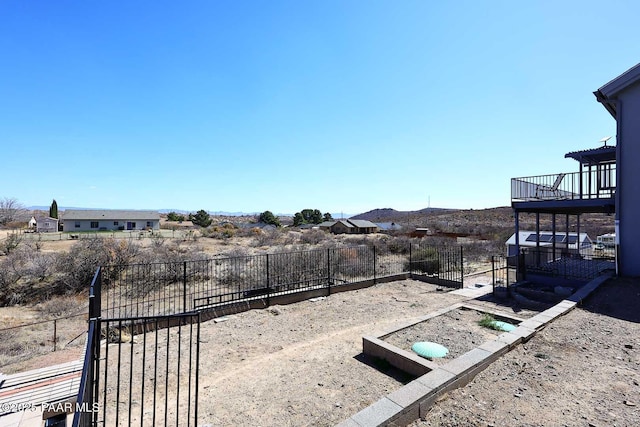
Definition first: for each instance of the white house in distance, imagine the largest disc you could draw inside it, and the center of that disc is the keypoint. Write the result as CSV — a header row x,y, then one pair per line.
x,y
102,220
528,240
46,224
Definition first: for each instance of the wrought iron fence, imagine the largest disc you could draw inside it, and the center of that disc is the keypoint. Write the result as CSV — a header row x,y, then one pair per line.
x,y
135,354
503,274
88,391
569,264
168,288
595,184
440,264
139,370
148,371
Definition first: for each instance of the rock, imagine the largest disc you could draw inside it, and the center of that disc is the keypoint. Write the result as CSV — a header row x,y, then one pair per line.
x,y
629,403
275,311
629,346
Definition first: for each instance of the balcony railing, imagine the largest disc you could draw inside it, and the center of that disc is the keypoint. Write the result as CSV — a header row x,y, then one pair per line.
x,y
599,183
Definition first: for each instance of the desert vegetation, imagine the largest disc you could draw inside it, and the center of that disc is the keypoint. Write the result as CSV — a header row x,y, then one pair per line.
x,y
29,273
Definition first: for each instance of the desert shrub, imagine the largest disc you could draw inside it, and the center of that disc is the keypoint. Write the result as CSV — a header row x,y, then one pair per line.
x,y
236,251
77,267
398,245
352,262
425,260
235,272
59,307
297,268
222,232
313,237
11,271
267,238
10,243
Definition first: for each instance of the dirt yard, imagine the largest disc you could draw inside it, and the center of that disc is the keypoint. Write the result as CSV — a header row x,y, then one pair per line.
x,y
582,370
301,364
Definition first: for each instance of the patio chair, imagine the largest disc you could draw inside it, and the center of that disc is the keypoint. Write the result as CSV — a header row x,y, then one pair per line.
x,y
543,191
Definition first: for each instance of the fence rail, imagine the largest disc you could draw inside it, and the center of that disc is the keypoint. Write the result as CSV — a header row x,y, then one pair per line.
x,y
139,303
567,264
503,274
599,183
169,288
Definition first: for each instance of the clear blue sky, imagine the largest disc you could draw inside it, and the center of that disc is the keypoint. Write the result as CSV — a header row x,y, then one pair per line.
x,y
285,105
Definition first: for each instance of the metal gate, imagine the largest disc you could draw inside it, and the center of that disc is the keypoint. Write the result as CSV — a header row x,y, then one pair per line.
x,y
147,371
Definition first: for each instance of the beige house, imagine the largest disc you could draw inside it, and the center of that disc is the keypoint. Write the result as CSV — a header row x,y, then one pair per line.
x,y
112,220
349,226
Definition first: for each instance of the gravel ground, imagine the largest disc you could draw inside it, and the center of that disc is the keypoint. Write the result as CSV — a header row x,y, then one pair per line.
x,y
458,330
581,370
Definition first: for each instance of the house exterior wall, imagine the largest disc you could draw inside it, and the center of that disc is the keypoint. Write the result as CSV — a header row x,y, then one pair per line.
x,y
86,225
47,226
627,195
340,228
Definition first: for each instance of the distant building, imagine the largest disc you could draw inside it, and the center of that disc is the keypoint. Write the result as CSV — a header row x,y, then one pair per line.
x,y
528,239
421,232
102,220
46,224
388,226
349,226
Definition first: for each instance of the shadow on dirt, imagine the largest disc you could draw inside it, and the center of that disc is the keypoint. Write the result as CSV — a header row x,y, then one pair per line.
x,y
618,297
385,367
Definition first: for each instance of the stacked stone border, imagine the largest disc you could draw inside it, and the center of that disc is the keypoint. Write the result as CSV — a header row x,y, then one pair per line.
x,y
414,400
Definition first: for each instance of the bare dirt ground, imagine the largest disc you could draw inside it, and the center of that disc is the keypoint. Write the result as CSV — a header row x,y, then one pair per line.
x,y
582,370
302,364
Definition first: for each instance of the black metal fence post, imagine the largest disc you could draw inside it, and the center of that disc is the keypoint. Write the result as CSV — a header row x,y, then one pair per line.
x,y
328,271
374,266
493,272
410,261
268,284
461,267
184,287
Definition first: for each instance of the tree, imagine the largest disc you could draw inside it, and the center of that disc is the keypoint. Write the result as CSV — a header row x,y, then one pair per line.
x,y
268,217
10,210
298,220
172,216
53,210
328,217
312,216
308,216
201,218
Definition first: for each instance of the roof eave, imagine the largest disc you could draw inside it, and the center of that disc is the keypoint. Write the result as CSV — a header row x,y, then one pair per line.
x,y
606,103
606,94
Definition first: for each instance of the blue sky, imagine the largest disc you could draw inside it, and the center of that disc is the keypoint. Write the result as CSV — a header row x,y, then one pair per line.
x,y
285,105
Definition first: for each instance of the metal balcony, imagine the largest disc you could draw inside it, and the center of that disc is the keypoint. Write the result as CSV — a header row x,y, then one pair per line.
x,y
596,184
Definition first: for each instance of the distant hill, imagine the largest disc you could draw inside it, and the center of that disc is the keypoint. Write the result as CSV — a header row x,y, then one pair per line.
x,y
493,223
392,215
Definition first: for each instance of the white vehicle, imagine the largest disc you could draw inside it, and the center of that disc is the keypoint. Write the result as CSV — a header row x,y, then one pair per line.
x,y
606,241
